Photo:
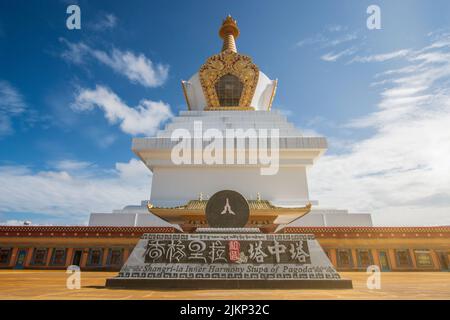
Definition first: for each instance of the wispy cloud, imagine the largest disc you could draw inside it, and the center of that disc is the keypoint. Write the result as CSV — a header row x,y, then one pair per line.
x,y
336,28
340,40
71,190
142,119
316,39
102,137
12,104
105,21
75,52
334,56
135,66
331,37
401,172
382,57
333,40
71,165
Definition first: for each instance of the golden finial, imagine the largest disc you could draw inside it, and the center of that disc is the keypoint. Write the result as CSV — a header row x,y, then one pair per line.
x,y
229,31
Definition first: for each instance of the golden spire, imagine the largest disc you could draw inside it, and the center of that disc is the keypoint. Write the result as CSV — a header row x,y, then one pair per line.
x,y
229,32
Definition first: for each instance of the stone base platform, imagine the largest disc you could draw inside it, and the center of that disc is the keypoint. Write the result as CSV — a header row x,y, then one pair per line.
x,y
227,284
228,261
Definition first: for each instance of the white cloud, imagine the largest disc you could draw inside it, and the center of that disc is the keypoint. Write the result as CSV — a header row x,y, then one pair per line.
x,y
317,39
135,66
329,40
133,170
339,40
333,57
332,39
71,165
63,194
402,172
12,104
382,57
142,119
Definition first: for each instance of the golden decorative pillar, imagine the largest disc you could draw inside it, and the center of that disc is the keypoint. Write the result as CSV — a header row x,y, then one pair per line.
x,y
229,32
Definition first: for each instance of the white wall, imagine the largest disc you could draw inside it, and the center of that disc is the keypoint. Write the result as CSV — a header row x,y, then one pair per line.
x,y
127,220
175,186
310,220
333,218
112,219
349,220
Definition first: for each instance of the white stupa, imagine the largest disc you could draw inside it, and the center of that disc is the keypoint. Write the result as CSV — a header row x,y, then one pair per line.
x,y
229,92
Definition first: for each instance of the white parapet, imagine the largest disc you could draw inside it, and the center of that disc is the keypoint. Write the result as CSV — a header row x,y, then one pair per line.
x,y
333,218
129,216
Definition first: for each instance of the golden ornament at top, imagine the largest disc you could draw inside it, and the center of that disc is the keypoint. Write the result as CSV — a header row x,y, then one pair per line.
x,y
229,33
229,79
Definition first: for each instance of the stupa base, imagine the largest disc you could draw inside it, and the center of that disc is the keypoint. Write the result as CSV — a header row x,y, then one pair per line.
x,y
228,261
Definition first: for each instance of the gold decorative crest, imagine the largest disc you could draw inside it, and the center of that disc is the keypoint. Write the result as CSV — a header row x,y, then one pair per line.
x,y
229,62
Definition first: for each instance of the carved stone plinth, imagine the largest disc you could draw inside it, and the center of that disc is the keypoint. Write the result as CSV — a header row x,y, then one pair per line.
x,y
228,261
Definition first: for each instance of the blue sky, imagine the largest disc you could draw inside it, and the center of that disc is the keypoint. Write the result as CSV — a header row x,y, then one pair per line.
x,y
380,96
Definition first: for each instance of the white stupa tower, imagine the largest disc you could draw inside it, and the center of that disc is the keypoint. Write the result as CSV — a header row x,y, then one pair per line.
x,y
228,92
229,201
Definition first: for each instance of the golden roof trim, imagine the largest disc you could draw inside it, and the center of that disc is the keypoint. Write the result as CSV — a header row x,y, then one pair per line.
x,y
183,85
272,96
253,204
230,108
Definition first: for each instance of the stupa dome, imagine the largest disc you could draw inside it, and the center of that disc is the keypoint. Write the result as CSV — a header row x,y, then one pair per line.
x,y
229,80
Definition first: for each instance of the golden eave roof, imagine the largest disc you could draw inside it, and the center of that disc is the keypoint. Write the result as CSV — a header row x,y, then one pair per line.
x,y
254,205
263,214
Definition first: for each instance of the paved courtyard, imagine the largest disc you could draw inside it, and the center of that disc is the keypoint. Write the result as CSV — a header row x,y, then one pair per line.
x,y
27,284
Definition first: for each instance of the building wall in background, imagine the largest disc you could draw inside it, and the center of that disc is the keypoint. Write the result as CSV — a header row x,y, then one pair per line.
x,y
107,248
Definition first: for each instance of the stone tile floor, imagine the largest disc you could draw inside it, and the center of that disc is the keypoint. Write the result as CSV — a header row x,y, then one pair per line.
x,y
28,284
